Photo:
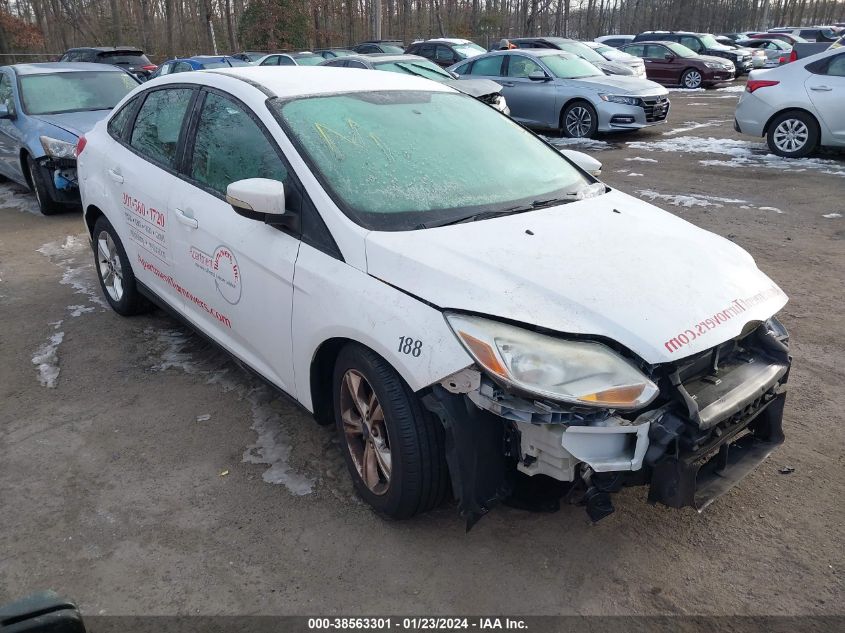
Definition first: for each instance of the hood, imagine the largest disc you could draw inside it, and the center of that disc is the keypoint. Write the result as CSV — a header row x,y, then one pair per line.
x,y
614,68
611,266
636,86
77,123
475,87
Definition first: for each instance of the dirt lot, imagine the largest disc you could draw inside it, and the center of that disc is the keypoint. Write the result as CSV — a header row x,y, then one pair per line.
x,y
111,483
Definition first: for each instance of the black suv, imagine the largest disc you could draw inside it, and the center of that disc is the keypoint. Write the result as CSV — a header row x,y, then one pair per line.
x,y
130,59
703,44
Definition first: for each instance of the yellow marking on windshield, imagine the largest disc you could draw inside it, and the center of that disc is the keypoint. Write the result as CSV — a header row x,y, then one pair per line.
x,y
329,136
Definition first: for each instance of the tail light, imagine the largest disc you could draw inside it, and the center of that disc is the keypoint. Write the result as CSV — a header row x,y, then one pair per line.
x,y
756,84
793,56
782,60
80,145
149,67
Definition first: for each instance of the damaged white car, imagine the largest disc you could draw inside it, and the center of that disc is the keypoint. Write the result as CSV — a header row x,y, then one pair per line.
x,y
472,310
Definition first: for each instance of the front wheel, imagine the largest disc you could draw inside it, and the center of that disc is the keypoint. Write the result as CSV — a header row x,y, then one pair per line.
x,y
692,79
43,197
579,120
394,449
793,135
114,271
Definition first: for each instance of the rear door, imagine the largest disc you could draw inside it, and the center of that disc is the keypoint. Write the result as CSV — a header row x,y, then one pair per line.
x,y
531,102
827,92
237,272
141,172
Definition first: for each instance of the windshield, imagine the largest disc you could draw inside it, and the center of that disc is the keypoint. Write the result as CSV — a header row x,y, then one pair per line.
x,y
565,67
254,57
468,50
390,48
234,61
394,160
341,53
680,50
309,60
134,58
602,50
577,48
710,42
421,68
74,91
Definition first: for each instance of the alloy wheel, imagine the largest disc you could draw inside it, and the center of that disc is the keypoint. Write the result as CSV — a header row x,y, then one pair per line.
x,y
111,271
791,135
365,431
578,122
692,79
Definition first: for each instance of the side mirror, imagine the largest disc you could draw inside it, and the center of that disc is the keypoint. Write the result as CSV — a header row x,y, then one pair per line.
x,y
584,161
538,75
261,199
669,57
5,113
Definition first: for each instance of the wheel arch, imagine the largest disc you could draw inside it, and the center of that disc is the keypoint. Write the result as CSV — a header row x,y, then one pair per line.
x,y
787,110
320,378
571,101
23,154
92,213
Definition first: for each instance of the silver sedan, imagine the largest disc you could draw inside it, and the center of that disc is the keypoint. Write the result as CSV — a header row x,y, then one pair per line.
x,y
798,106
554,90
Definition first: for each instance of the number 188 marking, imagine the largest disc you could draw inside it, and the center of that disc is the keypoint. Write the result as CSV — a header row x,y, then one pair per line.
x,y
408,345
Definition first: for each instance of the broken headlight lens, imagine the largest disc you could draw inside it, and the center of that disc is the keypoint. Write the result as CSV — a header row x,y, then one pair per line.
x,y
55,148
577,372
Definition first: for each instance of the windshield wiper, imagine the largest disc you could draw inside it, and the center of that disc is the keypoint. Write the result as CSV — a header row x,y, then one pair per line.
x,y
486,215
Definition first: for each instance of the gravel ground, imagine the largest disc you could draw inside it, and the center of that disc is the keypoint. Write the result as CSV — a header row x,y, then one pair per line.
x,y
112,483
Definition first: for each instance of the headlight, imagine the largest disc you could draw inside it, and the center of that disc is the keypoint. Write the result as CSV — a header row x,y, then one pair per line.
x,y
716,65
578,372
621,99
58,149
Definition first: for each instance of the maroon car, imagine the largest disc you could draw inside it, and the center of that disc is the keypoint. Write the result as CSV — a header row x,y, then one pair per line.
x,y
673,64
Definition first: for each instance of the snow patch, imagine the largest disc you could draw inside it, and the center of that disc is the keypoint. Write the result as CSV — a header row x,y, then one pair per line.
x,y
76,311
634,174
830,216
685,89
14,196
737,88
689,126
46,360
687,201
578,143
73,255
640,159
775,209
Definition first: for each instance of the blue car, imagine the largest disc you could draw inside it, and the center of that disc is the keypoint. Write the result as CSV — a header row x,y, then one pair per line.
x,y
198,62
44,109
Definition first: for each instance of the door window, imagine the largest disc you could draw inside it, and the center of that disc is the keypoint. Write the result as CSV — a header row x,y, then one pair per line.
x,y
230,146
271,61
637,50
159,121
692,43
489,66
352,63
522,67
182,67
284,60
444,54
6,95
117,124
426,50
655,51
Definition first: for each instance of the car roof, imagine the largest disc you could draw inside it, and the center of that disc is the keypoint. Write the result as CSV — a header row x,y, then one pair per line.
x,y
447,40
63,67
534,52
385,57
305,81
107,49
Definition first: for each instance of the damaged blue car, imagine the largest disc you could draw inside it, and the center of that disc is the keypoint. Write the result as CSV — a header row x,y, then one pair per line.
x,y
44,110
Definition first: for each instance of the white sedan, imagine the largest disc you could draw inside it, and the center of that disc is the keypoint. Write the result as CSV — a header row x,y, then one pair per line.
x,y
797,106
465,304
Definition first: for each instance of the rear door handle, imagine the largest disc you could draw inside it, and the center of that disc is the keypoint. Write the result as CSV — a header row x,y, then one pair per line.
x,y
821,88
186,219
116,176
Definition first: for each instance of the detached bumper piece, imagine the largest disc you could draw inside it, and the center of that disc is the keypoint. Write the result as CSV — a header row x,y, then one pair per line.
x,y
733,422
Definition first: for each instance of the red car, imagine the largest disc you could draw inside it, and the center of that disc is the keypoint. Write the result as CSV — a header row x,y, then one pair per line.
x,y
673,64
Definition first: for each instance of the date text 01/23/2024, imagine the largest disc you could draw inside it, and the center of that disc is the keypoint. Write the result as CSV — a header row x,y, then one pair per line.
x,y
417,623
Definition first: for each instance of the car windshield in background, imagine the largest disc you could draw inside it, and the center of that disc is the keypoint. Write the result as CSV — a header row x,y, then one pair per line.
x,y
680,50
710,42
468,50
210,65
582,50
234,61
309,60
395,160
74,91
390,48
124,59
420,68
254,57
564,67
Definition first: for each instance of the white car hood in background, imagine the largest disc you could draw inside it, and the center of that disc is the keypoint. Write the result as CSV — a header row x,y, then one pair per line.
x,y
611,266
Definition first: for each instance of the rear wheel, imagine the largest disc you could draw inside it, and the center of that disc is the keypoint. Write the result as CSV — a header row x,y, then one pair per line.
x,y
692,79
43,197
579,120
793,134
393,447
114,271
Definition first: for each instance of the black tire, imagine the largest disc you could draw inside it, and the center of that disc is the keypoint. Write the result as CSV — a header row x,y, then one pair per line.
x,y
131,301
692,79
805,131
585,113
419,477
41,189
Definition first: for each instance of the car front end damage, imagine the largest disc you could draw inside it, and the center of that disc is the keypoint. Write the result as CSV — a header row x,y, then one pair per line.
x,y
58,169
716,417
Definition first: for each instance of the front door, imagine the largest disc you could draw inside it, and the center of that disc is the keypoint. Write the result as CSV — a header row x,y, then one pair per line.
x,y
827,92
238,271
531,102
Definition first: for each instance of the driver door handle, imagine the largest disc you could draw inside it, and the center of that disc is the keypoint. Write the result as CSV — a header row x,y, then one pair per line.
x,y
116,176
186,219
821,88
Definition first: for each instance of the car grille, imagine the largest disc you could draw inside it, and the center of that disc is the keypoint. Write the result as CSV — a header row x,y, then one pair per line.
x,y
656,108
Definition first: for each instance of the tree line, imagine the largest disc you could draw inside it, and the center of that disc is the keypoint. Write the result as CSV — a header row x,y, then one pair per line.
x,y
168,28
